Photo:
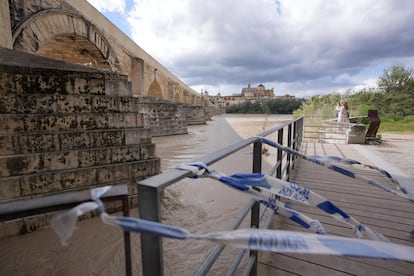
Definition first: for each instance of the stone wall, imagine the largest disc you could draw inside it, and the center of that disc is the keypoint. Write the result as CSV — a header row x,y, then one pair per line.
x,y
64,130
163,117
169,118
194,115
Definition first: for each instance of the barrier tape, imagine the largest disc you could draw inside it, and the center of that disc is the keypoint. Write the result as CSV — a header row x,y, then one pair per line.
x,y
331,161
277,187
254,239
199,169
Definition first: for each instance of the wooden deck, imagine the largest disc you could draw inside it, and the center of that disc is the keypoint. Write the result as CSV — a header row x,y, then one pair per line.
x,y
388,214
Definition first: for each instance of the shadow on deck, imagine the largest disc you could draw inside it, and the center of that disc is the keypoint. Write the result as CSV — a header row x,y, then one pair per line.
x,y
382,211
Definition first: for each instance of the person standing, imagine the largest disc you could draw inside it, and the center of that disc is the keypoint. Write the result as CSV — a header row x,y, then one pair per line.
x,y
343,112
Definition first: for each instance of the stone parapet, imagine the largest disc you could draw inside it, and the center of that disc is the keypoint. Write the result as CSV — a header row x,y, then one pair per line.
x,y
194,115
63,130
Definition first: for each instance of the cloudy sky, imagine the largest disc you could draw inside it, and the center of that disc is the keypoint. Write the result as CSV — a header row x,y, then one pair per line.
x,y
300,47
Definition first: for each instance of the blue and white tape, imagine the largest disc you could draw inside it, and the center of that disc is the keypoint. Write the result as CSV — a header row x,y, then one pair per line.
x,y
266,185
331,161
296,242
255,239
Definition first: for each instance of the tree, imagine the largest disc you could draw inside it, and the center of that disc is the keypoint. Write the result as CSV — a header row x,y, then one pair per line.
x,y
396,79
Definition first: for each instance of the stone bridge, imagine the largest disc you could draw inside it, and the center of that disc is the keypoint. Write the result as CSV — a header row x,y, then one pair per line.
x,y
65,126
75,32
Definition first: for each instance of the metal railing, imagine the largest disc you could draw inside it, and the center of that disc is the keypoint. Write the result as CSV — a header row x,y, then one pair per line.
x,y
319,130
35,206
149,196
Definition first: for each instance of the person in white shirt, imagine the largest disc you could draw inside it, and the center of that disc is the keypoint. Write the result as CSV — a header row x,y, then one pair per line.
x,y
343,113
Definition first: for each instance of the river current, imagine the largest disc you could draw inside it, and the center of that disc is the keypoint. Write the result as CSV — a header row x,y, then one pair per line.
x,y
205,205
198,205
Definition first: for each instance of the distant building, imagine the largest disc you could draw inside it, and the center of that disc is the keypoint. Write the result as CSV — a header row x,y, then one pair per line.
x,y
247,94
217,100
259,92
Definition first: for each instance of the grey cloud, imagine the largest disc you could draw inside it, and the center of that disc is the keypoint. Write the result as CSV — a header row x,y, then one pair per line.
x,y
248,47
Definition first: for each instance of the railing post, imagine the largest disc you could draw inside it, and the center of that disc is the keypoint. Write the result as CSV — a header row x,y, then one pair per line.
x,y
127,238
299,132
289,156
279,153
295,140
255,212
151,245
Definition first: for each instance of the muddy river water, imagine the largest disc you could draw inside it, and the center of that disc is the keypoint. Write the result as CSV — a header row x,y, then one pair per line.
x,y
199,205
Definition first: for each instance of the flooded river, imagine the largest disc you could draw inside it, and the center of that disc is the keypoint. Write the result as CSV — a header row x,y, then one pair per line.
x,y
199,205
204,205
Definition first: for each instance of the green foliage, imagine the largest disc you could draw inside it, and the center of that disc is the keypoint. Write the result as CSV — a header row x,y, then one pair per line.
x,y
322,106
395,98
395,79
397,124
266,106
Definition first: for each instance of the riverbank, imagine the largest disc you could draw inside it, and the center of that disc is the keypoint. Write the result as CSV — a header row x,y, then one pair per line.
x,y
197,205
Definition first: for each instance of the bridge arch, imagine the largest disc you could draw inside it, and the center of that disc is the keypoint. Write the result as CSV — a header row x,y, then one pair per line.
x,y
64,36
155,90
177,96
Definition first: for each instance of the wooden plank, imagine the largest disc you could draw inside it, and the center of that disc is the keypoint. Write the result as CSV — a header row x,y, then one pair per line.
x,y
382,211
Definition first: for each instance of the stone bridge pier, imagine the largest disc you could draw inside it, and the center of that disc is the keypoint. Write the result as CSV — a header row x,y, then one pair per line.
x,y
75,32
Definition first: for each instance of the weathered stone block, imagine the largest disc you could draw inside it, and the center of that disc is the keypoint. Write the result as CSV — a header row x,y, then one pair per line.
x,y
42,104
135,136
93,121
118,88
105,174
10,188
104,104
113,173
60,160
49,123
36,143
95,157
20,164
145,168
38,84
10,144
10,124
127,104
79,178
41,184
87,158
7,103
140,120
109,138
96,86
103,156
147,151
122,172
48,83
7,83
80,85
73,103
125,120
77,140
126,154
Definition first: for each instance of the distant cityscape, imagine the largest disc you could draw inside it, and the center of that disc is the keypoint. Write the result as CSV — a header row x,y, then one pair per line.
x,y
248,93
